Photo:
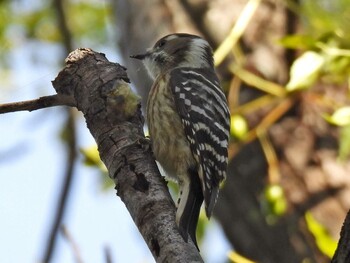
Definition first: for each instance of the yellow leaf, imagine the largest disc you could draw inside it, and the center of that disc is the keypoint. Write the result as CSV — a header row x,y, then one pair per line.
x,y
92,157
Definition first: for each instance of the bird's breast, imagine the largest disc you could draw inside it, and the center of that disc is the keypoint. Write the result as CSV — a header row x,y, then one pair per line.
x,y
169,144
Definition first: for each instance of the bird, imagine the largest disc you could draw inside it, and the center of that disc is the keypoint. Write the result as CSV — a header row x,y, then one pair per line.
x,y
189,122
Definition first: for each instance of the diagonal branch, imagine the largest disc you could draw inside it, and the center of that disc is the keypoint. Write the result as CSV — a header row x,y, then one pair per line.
x,y
113,116
342,254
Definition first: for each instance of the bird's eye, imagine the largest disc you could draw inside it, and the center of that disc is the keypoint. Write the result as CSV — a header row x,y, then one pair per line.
x,y
160,43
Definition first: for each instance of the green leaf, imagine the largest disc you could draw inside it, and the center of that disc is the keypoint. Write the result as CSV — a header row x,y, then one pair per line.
x,y
305,71
325,243
344,143
297,42
341,117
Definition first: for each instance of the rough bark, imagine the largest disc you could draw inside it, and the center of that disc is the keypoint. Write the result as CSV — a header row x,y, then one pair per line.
x,y
113,116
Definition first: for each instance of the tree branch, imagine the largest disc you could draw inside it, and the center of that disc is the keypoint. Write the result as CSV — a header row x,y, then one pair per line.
x,y
36,104
113,116
342,254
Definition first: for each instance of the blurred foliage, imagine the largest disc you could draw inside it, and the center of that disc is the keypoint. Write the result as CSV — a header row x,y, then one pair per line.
x,y
234,257
239,126
40,24
5,21
326,26
321,68
322,17
305,71
344,148
236,32
326,43
91,158
341,117
324,60
274,203
323,239
87,21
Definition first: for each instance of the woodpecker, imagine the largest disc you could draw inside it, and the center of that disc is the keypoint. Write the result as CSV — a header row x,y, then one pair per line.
x,y
189,123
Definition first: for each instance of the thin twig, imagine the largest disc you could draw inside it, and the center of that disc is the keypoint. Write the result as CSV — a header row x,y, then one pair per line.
x,y
271,157
36,104
237,31
66,187
259,83
108,255
73,244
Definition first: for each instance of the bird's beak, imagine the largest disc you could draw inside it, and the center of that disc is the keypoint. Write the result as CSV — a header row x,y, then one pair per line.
x,y
140,56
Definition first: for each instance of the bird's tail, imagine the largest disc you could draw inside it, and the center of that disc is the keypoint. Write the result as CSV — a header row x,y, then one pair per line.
x,y
190,202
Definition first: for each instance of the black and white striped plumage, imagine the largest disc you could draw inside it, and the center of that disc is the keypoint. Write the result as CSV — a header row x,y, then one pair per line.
x,y
189,123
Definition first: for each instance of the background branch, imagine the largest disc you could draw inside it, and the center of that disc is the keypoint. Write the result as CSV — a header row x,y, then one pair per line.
x,y
65,188
70,140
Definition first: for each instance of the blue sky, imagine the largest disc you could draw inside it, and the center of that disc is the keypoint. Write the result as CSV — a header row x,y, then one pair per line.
x,y
31,172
